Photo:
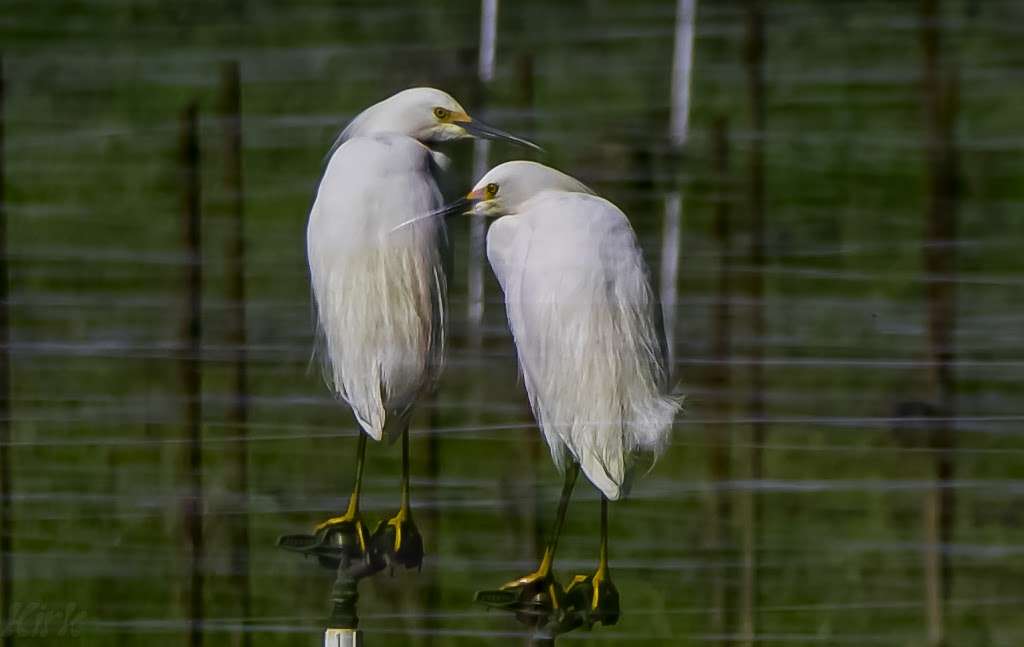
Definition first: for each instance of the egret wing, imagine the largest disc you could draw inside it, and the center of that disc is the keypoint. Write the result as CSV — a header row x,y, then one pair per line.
x,y
583,316
380,294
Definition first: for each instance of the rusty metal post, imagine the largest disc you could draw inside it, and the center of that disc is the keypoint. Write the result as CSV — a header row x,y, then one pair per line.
x,y
940,104
6,480
190,368
237,463
754,59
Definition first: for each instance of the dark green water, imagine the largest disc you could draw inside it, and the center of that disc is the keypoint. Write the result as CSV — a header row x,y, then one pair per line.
x,y
887,508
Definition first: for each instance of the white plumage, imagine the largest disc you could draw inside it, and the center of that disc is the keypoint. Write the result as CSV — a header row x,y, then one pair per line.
x,y
379,287
584,318
377,259
380,295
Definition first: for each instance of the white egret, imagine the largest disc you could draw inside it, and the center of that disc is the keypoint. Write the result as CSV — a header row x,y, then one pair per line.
x,y
588,334
380,293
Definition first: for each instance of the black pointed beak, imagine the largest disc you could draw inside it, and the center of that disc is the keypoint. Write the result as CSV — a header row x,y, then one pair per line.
x,y
458,207
479,129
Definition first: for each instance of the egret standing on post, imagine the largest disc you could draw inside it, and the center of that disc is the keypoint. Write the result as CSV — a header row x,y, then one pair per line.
x,y
380,293
588,334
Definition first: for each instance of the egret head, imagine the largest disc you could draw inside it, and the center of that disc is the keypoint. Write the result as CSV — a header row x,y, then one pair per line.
x,y
427,115
504,188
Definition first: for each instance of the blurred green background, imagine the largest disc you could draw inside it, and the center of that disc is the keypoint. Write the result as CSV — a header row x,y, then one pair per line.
x,y
849,468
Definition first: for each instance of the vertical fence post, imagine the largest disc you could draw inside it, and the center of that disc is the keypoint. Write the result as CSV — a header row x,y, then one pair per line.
x,y
432,516
481,148
940,103
235,296
754,56
721,382
535,452
682,72
190,368
6,480
679,130
671,233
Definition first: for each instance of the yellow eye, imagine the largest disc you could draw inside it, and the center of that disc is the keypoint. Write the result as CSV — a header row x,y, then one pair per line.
x,y
491,190
442,113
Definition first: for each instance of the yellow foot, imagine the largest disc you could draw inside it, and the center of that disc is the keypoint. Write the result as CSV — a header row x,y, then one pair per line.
x,y
540,576
604,606
398,540
349,527
539,588
598,594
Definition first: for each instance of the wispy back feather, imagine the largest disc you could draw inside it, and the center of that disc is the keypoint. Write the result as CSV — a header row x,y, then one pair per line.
x,y
584,319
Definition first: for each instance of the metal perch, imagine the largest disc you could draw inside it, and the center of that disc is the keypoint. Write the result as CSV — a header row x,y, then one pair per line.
x,y
338,548
555,610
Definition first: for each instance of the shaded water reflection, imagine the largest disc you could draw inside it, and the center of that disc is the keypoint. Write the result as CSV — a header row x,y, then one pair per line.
x,y
836,238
